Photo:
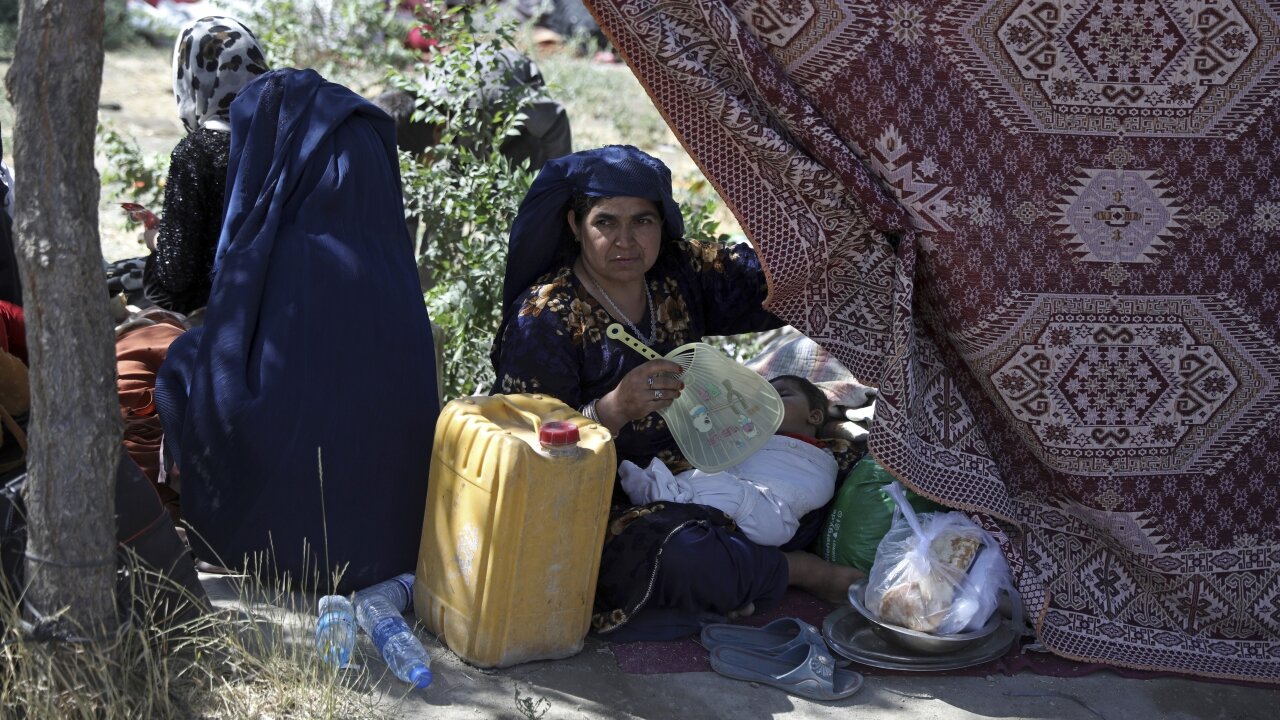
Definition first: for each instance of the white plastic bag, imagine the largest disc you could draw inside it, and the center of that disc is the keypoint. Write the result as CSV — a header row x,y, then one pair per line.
x,y
936,572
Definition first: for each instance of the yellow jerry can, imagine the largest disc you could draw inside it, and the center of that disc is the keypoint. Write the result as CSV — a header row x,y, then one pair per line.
x,y
513,529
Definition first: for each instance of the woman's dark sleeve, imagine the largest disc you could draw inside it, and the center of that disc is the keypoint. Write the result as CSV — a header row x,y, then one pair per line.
x,y
733,289
180,264
539,356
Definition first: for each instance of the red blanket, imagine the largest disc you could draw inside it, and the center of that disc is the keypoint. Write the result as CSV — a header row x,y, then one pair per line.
x,y
1048,233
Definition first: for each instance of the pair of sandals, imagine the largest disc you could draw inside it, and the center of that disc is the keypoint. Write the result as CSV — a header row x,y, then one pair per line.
x,y
788,654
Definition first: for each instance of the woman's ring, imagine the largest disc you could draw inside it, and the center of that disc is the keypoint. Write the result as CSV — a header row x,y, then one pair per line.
x,y
657,395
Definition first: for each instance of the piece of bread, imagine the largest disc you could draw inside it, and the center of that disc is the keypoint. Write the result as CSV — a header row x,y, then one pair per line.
x,y
922,603
919,604
956,547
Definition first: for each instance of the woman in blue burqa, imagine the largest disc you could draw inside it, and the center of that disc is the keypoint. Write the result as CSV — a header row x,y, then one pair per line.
x,y
301,414
599,239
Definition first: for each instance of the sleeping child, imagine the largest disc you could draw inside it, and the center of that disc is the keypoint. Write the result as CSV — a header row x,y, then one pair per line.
x,y
770,491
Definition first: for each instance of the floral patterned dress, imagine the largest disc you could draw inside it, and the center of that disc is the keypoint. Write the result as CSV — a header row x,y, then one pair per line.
x,y
556,344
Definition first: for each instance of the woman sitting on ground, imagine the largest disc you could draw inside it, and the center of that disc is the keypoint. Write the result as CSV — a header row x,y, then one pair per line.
x,y
300,414
213,59
598,239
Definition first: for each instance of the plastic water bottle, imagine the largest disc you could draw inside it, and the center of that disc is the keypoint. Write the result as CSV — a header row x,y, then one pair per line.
x,y
336,630
378,611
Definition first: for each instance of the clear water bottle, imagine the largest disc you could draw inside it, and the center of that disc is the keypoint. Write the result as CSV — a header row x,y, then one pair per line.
x,y
378,611
336,630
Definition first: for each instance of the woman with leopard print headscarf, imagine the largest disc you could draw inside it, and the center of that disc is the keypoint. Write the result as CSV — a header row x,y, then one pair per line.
x,y
213,59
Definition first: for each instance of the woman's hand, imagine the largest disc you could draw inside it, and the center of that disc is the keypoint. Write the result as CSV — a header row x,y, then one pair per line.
x,y
650,387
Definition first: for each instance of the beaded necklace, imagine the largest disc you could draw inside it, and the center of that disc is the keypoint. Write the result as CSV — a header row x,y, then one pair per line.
x,y
635,331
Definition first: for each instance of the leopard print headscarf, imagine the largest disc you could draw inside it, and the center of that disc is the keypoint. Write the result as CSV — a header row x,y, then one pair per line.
x,y
213,58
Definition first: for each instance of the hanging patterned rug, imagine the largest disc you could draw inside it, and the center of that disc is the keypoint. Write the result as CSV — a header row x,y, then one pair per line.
x,y
1048,233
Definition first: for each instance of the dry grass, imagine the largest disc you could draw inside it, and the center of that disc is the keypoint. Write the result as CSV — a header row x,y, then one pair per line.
x,y
252,658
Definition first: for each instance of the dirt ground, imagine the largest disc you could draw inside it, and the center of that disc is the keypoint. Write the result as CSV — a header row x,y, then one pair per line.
x,y
137,100
605,104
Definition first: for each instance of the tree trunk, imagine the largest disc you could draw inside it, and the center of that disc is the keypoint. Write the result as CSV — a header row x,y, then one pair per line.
x,y
75,430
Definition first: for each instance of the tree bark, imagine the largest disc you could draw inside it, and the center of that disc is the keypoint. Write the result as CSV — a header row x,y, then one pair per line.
x,y
75,431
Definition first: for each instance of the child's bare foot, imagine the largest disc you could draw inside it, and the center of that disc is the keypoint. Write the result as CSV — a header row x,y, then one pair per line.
x,y
826,581
744,611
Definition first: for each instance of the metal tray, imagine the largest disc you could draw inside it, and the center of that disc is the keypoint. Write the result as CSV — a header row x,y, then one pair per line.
x,y
849,635
913,640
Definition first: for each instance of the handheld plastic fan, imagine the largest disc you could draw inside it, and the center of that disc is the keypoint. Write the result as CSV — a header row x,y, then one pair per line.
x,y
725,412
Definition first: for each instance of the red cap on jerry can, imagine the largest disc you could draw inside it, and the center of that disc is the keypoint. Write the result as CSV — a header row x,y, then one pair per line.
x,y
558,433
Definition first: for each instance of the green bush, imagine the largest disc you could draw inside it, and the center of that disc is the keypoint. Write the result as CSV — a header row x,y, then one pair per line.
x,y
699,207
463,192
116,30
128,175
351,44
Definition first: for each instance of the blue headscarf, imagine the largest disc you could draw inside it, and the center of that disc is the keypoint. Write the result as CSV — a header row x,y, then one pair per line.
x,y
302,412
540,236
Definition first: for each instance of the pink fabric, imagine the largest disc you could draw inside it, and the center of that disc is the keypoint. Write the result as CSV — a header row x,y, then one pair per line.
x,y
13,330
1047,233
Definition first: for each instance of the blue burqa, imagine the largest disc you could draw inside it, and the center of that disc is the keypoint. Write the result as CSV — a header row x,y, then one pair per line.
x,y
301,414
